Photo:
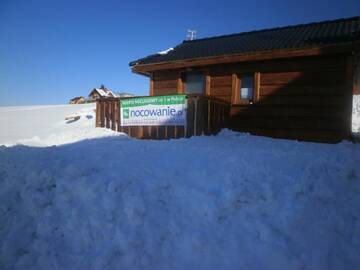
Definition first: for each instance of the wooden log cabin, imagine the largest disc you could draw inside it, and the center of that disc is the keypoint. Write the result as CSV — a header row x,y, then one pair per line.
x,y
293,82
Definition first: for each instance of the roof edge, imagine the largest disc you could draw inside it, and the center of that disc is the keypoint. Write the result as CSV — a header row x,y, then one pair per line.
x,y
274,28
345,47
139,60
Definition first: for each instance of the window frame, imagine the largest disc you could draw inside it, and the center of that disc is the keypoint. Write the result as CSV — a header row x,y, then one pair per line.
x,y
236,84
184,82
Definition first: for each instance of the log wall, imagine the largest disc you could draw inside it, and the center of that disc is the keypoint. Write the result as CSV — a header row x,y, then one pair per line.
x,y
300,98
165,83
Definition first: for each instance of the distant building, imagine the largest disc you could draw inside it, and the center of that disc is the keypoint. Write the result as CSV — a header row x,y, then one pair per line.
x,y
101,92
77,100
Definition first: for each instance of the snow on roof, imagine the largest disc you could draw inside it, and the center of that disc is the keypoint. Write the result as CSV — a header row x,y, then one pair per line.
x,y
166,51
108,93
101,92
105,93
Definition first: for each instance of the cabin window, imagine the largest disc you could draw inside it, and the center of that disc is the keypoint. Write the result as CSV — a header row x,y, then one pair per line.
x,y
194,83
246,87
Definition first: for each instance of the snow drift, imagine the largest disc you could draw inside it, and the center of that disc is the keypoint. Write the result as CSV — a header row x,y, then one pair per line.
x,y
227,202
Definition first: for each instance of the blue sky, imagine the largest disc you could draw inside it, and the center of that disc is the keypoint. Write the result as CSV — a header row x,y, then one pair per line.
x,y
51,51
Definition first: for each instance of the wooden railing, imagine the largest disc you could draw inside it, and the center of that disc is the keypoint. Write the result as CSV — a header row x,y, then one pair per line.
x,y
205,116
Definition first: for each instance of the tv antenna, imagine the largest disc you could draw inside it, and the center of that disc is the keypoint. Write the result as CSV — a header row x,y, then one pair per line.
x,y
191,34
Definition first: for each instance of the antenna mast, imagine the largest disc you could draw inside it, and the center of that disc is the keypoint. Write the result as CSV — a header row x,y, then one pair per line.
x,y
191,34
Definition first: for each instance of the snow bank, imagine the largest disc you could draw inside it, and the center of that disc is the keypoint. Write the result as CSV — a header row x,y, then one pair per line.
x,y
227,202
356,115
46,125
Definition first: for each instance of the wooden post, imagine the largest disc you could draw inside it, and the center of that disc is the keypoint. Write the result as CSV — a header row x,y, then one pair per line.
x,y
116,114
207,84
180,85
347,133
102,113
141,132
121,129
107,114
356,67
151,84
195,114
256,86
113,117
97,120
234,90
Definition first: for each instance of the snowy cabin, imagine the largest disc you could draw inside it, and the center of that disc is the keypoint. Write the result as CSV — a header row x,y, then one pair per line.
x,y
101,92
77,100
293,82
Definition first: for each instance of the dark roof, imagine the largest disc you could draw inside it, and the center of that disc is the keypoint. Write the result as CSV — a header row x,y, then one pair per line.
x,y
289,37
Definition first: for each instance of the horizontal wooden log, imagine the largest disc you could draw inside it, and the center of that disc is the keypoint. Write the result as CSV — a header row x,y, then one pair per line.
x,y
309,64
288,123
296,90
165,75
223,98
165,91
220,90
165,84
303,77
288,111
221,80
302,100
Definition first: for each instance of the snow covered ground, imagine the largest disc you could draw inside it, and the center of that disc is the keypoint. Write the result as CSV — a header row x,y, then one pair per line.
x,y
231,201
46,125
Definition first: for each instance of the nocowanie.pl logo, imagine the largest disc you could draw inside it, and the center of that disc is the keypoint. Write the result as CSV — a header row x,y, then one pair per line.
x,y
126,113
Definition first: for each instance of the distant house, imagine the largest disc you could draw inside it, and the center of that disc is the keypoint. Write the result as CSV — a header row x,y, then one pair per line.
x,y
101,92
77,100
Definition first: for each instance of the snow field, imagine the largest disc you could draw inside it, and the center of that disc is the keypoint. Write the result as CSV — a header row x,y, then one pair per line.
x,y
46,125
232,201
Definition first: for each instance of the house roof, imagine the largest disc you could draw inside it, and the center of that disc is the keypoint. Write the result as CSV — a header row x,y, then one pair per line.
x,y
76,98
290,37
103,92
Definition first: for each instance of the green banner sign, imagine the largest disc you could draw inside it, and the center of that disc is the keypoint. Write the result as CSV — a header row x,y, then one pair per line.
x,y
154,111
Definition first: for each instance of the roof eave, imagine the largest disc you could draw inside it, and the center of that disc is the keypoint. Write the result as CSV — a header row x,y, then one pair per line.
x,y
147,69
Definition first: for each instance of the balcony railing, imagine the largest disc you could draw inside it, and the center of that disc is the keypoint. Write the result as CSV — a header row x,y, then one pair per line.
x,y
205,116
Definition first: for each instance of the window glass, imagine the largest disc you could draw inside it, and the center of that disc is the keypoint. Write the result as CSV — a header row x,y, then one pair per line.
x,y
194,83
246,87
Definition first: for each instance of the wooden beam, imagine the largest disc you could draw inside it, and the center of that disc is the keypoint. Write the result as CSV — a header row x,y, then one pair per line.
x,y
256,86
356,86
207,84
264,55
234,92
180,85
349,96
151,84
98,109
